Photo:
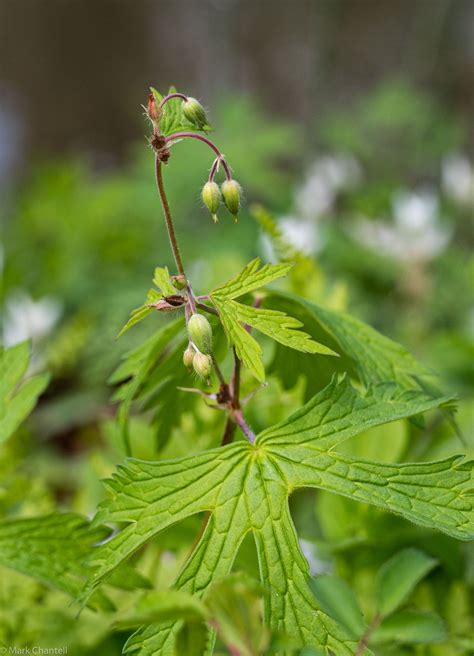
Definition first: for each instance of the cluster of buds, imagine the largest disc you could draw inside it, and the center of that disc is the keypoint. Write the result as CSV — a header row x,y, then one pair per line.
x,y
230,192
198,355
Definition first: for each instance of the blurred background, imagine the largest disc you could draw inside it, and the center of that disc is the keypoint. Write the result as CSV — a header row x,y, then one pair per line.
x,y
349,121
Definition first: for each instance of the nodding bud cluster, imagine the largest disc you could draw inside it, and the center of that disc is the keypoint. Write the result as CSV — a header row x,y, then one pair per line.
x,y
200,333
230,191
202,365
195,113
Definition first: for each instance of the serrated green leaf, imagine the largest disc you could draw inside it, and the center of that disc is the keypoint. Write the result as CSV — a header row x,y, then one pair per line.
x,y
251,277
398,577
280,327
245,488
135,317
247,348
410,627
162,280
277,325
16,403
337,599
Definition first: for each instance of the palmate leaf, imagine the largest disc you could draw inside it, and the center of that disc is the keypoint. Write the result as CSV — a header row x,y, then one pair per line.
x,y
16,403
245,488
273,323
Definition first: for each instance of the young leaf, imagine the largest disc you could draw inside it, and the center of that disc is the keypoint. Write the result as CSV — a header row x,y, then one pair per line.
x,y
410,626
251,277
162,280
337,599
16,403
398,577
245,488
277,325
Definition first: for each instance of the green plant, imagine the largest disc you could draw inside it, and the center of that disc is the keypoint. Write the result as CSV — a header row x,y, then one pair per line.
x,y
239,484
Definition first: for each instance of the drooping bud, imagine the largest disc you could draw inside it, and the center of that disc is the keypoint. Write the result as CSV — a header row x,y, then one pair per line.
x,y
202,364
195,113
200,332
188,357
179,281
211,197
231,193
154,111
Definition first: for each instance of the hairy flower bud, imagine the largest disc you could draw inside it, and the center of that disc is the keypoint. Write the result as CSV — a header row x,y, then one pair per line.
x,y
231,192
202,365
179,281
200,332
195,113
188,357
211,197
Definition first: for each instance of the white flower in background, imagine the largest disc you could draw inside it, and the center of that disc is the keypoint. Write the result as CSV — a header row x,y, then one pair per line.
x,y
28,319
301,234
457,174
415,234
325,179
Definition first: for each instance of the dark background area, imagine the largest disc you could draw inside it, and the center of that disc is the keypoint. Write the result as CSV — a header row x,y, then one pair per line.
x,y
72,73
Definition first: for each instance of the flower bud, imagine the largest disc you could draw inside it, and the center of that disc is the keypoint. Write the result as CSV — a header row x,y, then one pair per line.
x,y
202,365
200,332
154,111
211,197
231,192
195,113
188,357
178,281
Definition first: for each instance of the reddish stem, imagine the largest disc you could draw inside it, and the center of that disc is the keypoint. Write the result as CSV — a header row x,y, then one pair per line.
x,y
172,95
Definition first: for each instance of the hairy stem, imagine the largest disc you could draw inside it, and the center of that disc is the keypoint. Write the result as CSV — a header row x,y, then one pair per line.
x,y
172,95
168,217
239,419
207,308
